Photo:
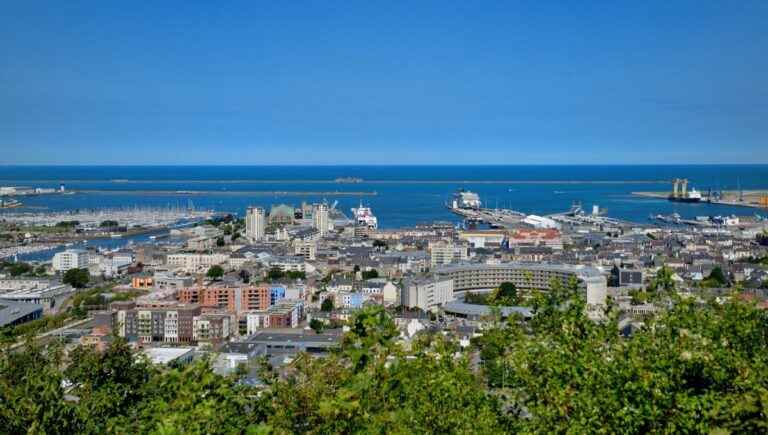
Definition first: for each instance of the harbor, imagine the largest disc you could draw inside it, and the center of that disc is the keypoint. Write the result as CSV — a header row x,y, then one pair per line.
x,y
469,206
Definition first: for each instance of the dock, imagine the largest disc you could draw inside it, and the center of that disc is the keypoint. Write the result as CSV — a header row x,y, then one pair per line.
x,y
501,217
750,199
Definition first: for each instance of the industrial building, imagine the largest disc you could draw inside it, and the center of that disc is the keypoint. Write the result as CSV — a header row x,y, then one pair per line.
x,y
46,296
14,313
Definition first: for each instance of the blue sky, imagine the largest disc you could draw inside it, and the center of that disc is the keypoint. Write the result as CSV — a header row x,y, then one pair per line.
x,y
444,82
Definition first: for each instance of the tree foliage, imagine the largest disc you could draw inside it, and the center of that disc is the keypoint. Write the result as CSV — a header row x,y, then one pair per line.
x,y
505,294
327,304
77,278
215,272
695,368
716,278
370,274
317,325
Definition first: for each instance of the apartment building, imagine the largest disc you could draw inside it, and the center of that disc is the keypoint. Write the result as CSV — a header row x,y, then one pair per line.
x,y
233,299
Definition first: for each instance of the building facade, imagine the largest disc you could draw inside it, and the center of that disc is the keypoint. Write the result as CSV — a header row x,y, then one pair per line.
x,y
427,293
233,299
321,222
255,224
70,259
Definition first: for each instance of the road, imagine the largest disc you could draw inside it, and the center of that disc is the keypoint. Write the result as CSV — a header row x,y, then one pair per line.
x,y
54,332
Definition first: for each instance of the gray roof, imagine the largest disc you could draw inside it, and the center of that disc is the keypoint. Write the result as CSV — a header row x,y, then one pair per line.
x,y
299,339
483,310
580,270
11,311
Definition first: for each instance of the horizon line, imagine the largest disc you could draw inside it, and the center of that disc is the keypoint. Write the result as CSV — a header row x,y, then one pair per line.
x,y
234,165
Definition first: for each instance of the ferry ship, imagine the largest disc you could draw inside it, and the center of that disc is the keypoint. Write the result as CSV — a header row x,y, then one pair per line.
x,y
465,199
364,217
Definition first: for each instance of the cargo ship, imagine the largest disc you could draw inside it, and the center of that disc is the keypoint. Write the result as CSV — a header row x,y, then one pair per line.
x,y
692,196
680,192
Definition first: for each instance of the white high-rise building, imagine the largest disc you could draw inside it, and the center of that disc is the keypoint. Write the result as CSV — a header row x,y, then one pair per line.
x,y
255,222
321,219
427,293
70,259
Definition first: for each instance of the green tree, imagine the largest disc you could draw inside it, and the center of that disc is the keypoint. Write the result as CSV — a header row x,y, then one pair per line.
x,y
568,374
215,272
663,281
717,278
317,325
31,394
370,274
505,294
220,242
275,273
296,274
18,269
77,278
327,304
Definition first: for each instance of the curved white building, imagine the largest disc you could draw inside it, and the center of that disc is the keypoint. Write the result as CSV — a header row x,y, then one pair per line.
x,y
527,276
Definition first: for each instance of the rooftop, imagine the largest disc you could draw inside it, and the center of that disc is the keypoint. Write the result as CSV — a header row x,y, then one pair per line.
x,y
10,311
165,355
466,309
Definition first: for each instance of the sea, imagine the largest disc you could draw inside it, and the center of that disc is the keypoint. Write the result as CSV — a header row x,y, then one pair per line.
x,y
400,196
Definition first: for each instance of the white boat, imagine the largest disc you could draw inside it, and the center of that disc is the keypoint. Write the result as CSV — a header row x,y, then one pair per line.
x,y
466,200
364,217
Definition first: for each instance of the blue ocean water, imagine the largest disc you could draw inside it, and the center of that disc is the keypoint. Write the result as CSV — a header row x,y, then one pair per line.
x,y
405,195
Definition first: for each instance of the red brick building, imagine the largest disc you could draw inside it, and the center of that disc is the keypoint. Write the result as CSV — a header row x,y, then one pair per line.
x,y
233,299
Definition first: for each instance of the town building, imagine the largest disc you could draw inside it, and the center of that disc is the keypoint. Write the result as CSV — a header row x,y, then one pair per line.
x,y
286,313
233,299
255,224
446,252
527,276
321,219
165,323
427,293
70,259
192,262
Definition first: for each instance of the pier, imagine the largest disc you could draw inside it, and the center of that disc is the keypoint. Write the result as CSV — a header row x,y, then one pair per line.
x,y
500,217
751,198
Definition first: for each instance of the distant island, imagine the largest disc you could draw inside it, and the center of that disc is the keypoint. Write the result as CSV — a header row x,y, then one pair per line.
x,y
348,180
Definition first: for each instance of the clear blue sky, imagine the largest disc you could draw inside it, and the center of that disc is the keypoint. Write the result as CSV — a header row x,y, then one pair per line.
x,y
444,82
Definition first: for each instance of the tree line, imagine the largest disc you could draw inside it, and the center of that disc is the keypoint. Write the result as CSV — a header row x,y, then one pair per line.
x,y
695,368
